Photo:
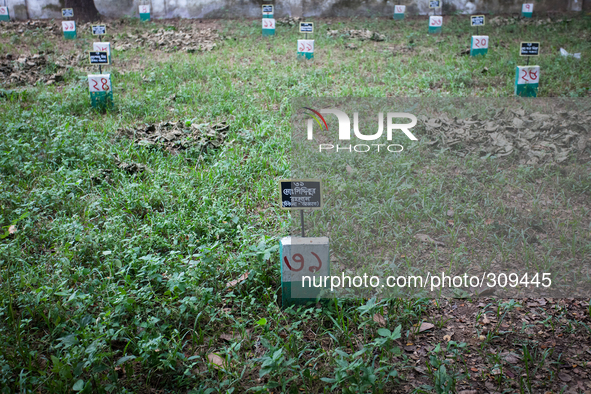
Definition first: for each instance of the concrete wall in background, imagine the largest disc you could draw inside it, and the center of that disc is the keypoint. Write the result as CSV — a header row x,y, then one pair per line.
x,y
42,9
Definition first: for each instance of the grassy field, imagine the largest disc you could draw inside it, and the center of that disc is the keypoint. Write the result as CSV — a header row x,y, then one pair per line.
x,y
153,267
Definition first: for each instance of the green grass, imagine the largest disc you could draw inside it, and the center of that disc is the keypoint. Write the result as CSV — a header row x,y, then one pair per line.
x,y
116,282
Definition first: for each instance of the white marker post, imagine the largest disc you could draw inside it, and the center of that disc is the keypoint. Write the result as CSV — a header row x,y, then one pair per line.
x,y
527,10
306,47
268,27
4,15
479,45
435,22
101,90
399,11
69,28
144,12
305,262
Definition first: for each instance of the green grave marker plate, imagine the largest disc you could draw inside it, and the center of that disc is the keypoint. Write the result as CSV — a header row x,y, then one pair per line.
x,y
305,49
304,264
144,12
435,23
527,10
69,28
4,14
479,45
526,81
101,90
268,27
399,11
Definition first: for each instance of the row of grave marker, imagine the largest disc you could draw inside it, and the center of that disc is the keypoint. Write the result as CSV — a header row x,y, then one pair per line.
x,y
527,77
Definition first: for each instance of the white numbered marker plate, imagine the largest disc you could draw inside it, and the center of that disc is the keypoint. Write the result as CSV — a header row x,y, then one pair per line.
x,y
68,26
435,21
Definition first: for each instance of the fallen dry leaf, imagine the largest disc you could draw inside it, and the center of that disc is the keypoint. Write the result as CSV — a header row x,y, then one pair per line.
x,y
425,326
241,278
379,319
216,360
426,238
564,377
12,229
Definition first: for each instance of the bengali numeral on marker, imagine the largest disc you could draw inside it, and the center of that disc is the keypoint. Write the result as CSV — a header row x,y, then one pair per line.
x,y
480,43
99,85
299,259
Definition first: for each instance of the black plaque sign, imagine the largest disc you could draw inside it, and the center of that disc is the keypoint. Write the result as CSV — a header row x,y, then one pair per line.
x,y
434,3
67,12
300,194
530,49
477,20
267,9
99,30
307,27
99,58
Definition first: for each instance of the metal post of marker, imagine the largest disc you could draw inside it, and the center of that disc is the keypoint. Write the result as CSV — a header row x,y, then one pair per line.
x,y
100,67
302,221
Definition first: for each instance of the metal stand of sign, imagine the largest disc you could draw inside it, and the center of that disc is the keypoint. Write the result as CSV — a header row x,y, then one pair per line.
x,y
302,222
100,67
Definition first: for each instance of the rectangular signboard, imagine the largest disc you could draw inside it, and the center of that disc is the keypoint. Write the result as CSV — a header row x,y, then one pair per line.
x,y
477,20
307,27
67,12
300,194
99,30
434,3
99,58
268,10
529,49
